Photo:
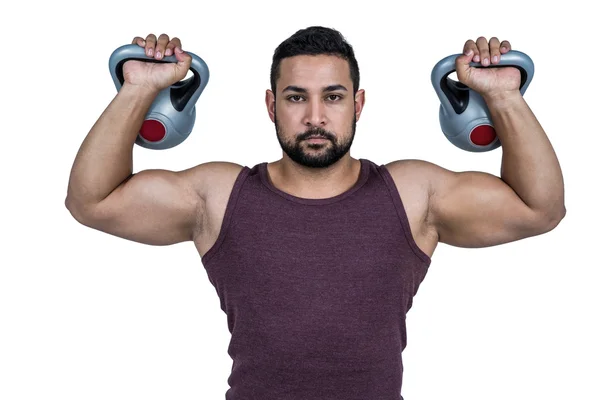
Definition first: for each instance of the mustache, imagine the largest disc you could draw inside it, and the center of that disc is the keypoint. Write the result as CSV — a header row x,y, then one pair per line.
x,y
318,132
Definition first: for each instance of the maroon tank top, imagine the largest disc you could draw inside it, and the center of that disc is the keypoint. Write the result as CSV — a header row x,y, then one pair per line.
x,y
316,291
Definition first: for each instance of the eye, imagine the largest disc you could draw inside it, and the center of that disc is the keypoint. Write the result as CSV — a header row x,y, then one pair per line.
x,y
334,95
292,98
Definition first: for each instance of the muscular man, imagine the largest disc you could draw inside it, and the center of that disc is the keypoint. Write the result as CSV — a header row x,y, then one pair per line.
x,y
316,257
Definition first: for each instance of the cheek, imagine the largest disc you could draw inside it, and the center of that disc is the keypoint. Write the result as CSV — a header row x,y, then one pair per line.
x,y
290,116
342,115
293,111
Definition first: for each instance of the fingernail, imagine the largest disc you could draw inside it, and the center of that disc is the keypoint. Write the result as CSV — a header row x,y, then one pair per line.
x,y
503,48
495,58
178,49
485,61
158,55
469,52
149,52
168,52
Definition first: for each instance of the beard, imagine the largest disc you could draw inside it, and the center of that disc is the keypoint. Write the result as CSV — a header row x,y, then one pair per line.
x,y
327,153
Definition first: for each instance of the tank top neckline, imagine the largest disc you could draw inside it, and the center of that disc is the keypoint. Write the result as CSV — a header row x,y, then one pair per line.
x,y
362,179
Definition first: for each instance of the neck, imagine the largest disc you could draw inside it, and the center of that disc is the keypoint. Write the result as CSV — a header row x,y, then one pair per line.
x,y
301,181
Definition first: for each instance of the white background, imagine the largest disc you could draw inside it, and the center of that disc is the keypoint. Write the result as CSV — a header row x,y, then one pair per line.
x,y
86,315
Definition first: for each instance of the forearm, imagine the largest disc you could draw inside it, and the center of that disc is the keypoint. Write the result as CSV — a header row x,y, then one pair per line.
x,y
105,157
529,164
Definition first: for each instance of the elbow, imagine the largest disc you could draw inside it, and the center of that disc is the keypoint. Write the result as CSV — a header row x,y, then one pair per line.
x,y
553,218
77,211
73,210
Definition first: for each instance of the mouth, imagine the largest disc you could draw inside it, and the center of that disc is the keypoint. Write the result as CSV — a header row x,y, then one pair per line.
x,y
316,138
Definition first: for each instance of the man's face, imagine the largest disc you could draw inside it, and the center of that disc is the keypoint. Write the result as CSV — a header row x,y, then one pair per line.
x,y
315,99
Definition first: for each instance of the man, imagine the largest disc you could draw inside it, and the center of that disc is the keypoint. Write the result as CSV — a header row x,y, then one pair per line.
x,y
316,257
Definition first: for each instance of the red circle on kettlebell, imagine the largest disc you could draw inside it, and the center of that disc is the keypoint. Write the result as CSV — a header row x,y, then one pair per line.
x,y
152,130
483,135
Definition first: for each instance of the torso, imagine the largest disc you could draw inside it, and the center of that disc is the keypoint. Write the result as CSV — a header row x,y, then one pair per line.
x,y
413,194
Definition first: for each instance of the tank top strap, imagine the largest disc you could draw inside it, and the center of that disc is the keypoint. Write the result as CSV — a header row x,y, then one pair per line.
x,y
229,211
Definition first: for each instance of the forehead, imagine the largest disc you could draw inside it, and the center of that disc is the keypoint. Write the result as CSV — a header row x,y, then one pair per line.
x,y
309,70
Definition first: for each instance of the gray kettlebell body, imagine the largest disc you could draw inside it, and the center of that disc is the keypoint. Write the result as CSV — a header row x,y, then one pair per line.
x,y
464,116
171,117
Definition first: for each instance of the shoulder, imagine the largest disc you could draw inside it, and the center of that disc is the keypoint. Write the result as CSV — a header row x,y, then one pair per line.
x,y
415,183
420,173
212,177
413,166
412,178
419,182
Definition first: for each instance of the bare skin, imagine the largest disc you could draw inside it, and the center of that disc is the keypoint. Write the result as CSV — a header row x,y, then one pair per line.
x,y
466,209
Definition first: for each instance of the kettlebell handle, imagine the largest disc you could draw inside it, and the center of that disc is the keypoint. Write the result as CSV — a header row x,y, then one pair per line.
x,y
454,94
183,94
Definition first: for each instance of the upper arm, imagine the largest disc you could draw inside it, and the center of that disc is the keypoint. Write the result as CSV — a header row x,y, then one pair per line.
x,y
155,206
476,209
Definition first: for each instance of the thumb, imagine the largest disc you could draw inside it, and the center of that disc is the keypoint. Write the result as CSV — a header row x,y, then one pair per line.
x,y
462,65
184,62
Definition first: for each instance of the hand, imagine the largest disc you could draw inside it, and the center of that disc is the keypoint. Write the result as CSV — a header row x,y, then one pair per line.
x,y
488,82
157,76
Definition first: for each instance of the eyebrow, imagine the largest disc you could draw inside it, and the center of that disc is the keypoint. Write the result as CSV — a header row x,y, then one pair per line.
x,y
330,88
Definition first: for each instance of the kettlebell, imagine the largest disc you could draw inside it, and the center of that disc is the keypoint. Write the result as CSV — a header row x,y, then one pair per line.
x,y
172,115
464,117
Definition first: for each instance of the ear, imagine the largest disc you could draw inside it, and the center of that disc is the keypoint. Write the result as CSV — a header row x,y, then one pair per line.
x,y
359,103
270,102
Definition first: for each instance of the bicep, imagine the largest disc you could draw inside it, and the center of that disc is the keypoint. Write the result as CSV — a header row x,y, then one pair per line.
x,y
477,209
156,207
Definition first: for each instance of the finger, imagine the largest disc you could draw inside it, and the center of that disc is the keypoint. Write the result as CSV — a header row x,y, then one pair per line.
x,y
484,50
150,44
159,51
494,50
470,45
139,41
175,42
473,46
505,46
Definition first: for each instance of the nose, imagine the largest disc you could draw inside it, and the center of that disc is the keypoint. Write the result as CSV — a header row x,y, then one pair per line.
x,y
315,114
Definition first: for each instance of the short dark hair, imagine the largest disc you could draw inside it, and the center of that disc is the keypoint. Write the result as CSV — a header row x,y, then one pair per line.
x,y
315,40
